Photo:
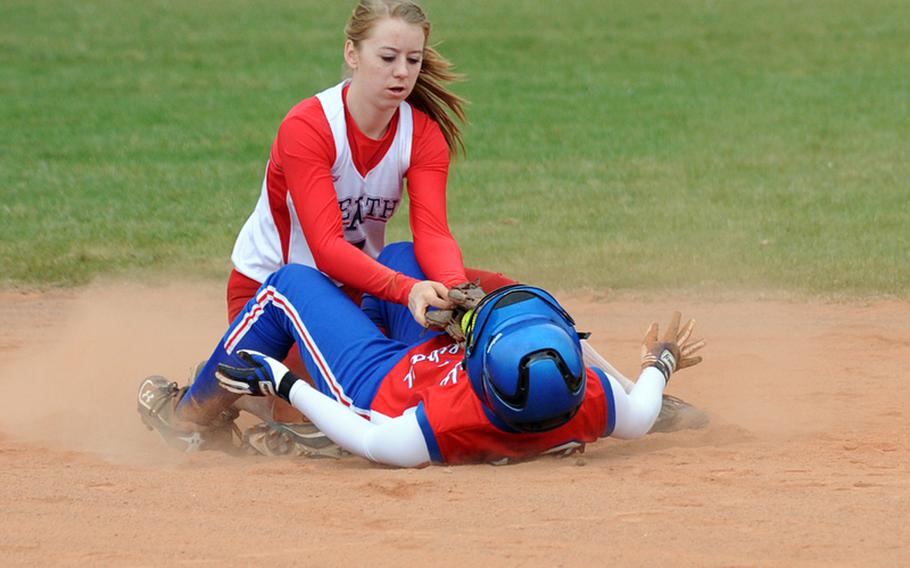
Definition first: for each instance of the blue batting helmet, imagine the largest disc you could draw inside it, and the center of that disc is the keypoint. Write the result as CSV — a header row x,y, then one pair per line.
x,y
523,356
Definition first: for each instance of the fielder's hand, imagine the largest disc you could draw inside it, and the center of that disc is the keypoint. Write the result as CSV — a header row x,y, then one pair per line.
x,y
465,298
674,351
264,376
424,294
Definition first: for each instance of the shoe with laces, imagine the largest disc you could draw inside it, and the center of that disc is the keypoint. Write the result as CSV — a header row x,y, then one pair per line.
x,y
284,439
157,404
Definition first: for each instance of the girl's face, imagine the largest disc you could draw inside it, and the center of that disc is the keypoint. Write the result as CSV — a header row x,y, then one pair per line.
x,y
387,63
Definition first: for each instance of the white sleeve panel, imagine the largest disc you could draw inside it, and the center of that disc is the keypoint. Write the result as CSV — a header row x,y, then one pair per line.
x,y
397,441
636,411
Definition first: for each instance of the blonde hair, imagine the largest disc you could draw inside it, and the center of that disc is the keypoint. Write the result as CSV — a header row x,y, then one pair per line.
x,y
430,94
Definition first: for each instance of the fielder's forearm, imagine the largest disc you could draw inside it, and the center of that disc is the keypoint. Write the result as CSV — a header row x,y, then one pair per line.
x,y
398,442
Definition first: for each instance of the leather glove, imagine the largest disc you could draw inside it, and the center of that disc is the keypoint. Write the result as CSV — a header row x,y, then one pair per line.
x,y
465,298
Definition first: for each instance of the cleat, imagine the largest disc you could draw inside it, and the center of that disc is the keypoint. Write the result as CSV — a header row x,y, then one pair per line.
x,y
283,439
677,414
157,403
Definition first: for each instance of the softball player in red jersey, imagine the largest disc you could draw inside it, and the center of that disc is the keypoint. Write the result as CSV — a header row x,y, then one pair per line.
x,y
338,167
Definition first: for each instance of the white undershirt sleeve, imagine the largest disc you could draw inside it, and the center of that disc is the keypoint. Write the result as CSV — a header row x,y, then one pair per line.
x,y
397,442
637,410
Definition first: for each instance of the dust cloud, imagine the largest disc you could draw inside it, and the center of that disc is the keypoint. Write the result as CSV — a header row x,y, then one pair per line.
x,y
71,363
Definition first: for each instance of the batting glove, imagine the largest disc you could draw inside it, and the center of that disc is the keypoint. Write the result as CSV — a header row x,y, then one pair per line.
x,y
674,351
265,376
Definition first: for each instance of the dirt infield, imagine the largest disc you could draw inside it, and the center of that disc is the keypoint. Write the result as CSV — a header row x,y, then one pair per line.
x,y
806,461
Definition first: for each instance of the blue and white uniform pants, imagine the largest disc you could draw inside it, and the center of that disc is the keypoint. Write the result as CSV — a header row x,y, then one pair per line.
x,y
344,350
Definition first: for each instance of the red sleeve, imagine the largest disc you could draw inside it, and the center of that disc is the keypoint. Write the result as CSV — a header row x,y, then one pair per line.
x,y
305,150
436,249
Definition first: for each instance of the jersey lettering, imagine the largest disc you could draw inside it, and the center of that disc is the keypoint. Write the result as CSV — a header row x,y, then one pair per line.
x,y
355,210
451,377
434,374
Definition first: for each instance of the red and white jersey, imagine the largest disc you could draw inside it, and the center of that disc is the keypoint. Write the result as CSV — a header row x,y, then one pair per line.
x,y
455,425
329,191
366,202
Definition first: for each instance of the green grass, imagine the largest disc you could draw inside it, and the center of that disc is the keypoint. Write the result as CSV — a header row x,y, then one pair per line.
x,y
693,145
